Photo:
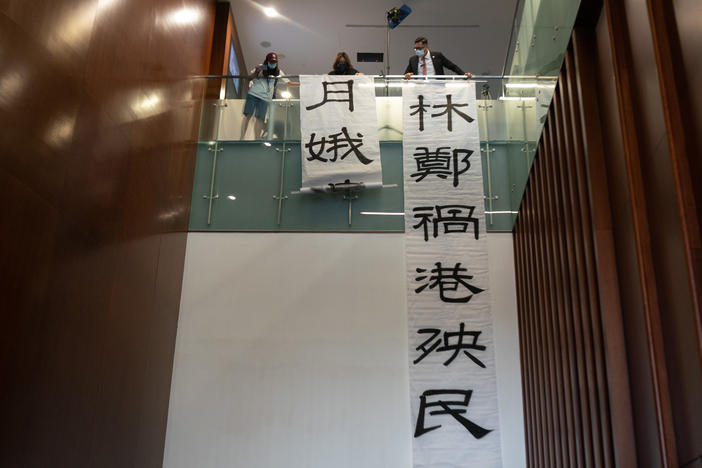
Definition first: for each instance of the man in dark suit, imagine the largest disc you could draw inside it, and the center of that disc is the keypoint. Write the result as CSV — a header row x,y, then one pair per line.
x,y
429,63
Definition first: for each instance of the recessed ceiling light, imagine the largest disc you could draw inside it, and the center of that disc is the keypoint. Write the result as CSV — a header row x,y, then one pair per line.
x,y
270,12
231,197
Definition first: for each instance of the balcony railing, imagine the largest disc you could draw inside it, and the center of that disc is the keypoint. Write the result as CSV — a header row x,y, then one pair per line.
x,y
250,182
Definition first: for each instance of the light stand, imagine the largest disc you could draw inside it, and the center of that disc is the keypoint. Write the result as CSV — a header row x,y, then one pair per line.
x,y
391,14
394,17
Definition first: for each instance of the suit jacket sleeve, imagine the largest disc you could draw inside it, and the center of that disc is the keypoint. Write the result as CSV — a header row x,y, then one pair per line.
x,y
451,66
410,69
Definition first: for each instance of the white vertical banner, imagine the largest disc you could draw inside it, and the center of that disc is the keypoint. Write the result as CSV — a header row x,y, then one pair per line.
x,y
453,392
339,131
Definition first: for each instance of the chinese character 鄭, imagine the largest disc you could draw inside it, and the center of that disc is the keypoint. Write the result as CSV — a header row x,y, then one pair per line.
x,y
440,163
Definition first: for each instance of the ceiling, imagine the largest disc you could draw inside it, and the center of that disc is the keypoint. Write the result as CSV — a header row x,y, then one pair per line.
x,y
474,34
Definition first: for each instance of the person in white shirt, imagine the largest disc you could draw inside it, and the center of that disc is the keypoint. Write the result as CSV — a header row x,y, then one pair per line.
x,y
264,81
427,63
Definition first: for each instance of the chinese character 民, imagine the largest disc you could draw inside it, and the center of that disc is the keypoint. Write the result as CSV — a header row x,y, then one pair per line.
x,y
450,108
440,399
348,91
440,162
426,348
448,279
454,218
333,144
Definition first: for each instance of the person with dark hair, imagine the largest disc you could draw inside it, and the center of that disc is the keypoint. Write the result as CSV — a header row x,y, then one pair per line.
x,y
427,63
264,80
342,65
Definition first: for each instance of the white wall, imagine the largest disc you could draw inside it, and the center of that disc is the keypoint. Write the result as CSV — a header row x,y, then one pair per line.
x,y
292,351
503,289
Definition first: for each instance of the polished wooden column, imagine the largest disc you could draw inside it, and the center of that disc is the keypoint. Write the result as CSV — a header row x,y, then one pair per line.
x,y
98,123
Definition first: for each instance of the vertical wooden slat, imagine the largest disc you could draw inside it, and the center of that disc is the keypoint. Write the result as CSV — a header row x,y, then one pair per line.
x,y
528,319
565,239
559,288
618,31
538,422
573,292
543,337
523,349
580,218
666,48
539,414
576,166
550,151
530,405
588,385
557,403
519,281
585,114
565,141
524,339
542,329
546,330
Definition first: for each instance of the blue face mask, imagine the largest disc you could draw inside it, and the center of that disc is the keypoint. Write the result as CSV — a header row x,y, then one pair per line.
x,y
419,52
271,66
341,66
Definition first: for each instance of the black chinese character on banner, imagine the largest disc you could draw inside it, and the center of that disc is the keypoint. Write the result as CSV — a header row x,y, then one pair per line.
x,y
449,280
442,399
421,109
454,218
450,109
441,162
348,91
333,144
459,345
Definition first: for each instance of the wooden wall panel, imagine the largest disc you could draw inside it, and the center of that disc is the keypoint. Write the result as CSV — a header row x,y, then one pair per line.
x,y
590,156
683,329
224,32
98,122
657,224
608,233
687,60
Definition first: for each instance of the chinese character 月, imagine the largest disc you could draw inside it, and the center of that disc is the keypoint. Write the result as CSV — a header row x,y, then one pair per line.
x,y
348,91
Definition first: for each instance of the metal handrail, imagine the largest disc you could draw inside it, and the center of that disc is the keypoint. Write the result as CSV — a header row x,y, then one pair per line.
x,y
443,77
